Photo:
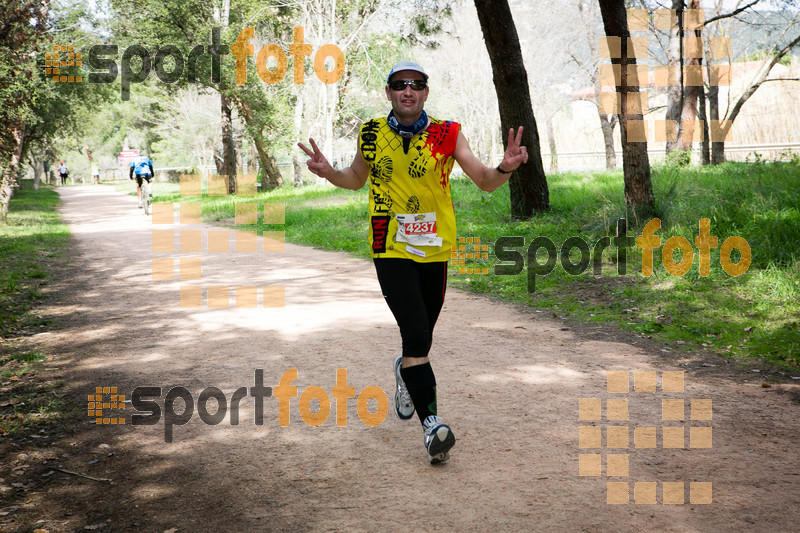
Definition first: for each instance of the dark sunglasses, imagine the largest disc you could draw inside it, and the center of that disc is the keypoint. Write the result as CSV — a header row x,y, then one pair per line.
x,y
400,85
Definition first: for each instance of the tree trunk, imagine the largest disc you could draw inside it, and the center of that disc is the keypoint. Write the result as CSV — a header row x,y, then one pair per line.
x,y
50,157
688,116
298,171
91,160
331,92
712,96
551,141
228,148
691,95
6,192
703,116
37,165
759,78
717,146
639,199
528,184
607,125
297,125
675,91
226,122
586,8
219,162
329,102
271,177
8,180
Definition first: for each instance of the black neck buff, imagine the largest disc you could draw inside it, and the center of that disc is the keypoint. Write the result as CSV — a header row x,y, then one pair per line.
x,y
408,131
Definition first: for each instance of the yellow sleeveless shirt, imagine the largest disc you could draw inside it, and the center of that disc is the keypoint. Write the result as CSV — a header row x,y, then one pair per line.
x,y
411,210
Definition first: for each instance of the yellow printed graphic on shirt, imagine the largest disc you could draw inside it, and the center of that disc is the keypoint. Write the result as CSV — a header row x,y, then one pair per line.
x,y
411,211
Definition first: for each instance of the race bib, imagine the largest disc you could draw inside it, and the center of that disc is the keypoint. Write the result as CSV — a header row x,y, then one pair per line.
x,y
418,229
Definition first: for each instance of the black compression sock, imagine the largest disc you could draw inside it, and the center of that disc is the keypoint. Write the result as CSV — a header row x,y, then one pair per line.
x,y
421,385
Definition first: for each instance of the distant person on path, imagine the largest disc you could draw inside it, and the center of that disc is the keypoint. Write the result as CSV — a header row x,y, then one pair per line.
x,y
142,169
407,158
95,172
63,172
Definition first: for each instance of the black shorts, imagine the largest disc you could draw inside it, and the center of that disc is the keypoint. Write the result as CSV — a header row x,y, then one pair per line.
x,y
415,295
140,177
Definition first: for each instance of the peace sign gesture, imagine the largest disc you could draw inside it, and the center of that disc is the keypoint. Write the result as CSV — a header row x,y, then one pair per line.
x,y
515,154
317,164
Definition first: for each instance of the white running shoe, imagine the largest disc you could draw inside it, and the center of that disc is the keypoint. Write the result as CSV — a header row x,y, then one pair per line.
x,y
141,205
438,439
403,405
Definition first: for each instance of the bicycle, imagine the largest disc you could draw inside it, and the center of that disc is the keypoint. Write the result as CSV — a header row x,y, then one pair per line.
x,y
147,195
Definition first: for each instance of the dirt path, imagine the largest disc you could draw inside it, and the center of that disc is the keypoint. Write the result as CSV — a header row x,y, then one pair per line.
x,y
510,381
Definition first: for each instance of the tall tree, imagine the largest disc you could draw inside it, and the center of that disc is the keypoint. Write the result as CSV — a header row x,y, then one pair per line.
x,y
22,36
675,94
773,54
639,199
708,105
226,119
691,92
528,184
586,24
717,151
348,24
687,102
188,24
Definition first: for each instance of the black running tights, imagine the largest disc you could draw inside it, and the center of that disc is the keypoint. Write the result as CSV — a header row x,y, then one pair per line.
x,y
415,294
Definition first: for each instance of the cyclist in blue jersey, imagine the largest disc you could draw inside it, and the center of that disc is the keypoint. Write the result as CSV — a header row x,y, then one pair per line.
x,y
142,169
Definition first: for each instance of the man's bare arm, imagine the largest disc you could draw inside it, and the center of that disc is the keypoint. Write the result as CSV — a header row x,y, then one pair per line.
x,y
353,177
488,179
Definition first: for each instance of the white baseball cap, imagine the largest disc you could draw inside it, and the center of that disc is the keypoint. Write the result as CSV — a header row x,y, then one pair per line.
x,y
405,65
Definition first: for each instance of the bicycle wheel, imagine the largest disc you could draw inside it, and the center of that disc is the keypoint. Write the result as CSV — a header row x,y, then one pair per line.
x,y
146,198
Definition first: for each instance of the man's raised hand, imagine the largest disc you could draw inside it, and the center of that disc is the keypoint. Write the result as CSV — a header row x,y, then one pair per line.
x,y
515,154
317,163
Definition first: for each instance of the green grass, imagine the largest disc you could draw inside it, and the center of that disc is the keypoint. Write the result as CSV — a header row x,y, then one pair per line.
x,y
320,216
32,245
750,317
754,316
32,241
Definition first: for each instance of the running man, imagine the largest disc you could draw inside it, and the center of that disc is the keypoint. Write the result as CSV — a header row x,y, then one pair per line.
x,y
407,158
95,172
63,172
142,167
